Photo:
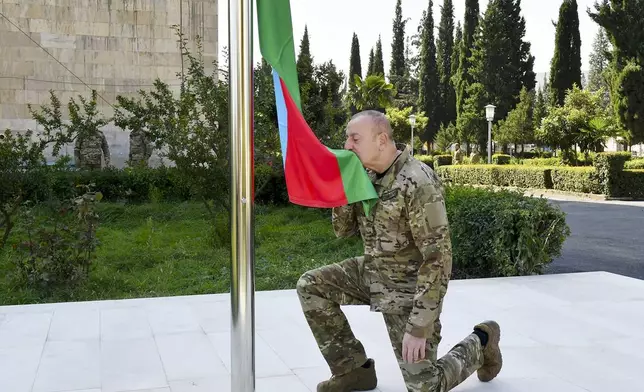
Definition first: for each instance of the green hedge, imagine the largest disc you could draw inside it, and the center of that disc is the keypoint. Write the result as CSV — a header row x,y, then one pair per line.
x,y
533,154
609,166
501,159
629,184
634,164
576,179
137,185
129,185
502,233
497,175
426,159
442,160
557,161
270,185
542,162
607,176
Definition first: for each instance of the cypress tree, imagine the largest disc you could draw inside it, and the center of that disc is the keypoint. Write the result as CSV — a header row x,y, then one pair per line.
x,y
410,80
445,49
518,126
355,67
565,67
428,97
311,106
599,63
470,27
333,111
371,63
304,59
397,65
624,25
456,54
501,63
378,62
540,108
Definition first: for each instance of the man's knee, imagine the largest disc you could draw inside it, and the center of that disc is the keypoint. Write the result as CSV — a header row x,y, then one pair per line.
x,y
305,283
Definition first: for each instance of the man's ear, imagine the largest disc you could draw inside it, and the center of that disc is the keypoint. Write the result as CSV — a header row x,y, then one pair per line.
x,y
382,140
386,137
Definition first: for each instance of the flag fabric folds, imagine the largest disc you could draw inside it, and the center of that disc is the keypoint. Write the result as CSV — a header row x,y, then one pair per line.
x,y
316,176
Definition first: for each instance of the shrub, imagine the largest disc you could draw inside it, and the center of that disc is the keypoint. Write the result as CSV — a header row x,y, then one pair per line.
x,y
426,159
498,175
140,185
133,185
57,249
586,160
576,179
501,159
22,171
527,154
442,160
189,127
634,164
533,154
502,233
569,157
608,166
515,161
629,183
270,185
542,162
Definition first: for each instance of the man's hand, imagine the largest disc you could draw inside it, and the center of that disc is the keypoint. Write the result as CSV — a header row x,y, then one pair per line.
x,y
413,348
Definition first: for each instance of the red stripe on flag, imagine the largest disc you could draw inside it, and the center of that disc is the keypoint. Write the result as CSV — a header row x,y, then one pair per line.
x,y
313,176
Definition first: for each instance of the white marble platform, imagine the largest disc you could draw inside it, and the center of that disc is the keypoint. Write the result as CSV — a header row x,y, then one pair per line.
x,y
572,333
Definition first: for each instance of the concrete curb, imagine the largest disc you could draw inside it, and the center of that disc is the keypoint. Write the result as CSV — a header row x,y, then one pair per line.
x,y
550,193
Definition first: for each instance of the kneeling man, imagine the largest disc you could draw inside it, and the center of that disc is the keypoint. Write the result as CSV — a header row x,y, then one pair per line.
x,y
403,273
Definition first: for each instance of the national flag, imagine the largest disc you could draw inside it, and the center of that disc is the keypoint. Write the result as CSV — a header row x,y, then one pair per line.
x,y
316,176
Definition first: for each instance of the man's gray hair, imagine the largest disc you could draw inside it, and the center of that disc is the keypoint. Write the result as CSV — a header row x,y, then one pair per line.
x,y
379,120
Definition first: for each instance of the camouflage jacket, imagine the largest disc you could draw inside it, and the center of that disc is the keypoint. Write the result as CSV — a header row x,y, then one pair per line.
x,y
92,149
458,156
140,147
407,245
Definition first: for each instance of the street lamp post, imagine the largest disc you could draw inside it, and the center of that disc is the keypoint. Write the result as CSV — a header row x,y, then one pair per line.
x,y
412,122
489,114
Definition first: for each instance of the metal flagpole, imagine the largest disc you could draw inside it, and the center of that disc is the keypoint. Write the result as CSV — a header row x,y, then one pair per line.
x,y
240,27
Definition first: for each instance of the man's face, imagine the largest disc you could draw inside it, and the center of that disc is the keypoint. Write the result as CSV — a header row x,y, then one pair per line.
x,y
363,141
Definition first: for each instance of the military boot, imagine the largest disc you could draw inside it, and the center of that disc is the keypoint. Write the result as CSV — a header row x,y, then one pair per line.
x,y
359,379
492,360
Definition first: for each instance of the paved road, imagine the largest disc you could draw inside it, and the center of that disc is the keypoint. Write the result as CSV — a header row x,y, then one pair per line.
x,y
604,237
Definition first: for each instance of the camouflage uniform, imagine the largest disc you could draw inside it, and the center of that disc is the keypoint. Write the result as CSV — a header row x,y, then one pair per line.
x,y
475,158
403,273
140,148
91,150
458,156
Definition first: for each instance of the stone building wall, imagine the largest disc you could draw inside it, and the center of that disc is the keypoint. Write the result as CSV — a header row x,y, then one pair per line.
x,y
116,47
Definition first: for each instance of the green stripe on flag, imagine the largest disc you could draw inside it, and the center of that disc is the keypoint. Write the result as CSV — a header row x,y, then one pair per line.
x,y
356,182
275,29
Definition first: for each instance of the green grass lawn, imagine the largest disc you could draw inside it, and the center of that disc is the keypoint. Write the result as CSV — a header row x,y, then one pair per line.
x,y
175,249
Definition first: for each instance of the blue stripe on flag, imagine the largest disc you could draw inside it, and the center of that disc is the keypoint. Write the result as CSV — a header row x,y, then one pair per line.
x,y
282,116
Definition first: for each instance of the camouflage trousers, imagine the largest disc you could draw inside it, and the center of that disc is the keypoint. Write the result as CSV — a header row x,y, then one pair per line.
x,y
322,291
